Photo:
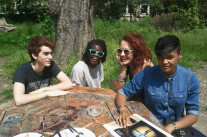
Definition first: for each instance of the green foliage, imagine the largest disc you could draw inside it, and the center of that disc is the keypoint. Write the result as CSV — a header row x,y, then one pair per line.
x,y
202,12
188,9
110,10
44,28
156,7
26,9
170,21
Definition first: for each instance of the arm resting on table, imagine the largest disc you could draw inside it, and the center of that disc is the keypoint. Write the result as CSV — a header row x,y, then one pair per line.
x,y
21,98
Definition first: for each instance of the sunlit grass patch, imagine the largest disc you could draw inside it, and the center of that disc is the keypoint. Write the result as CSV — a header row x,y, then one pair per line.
x,y
6,95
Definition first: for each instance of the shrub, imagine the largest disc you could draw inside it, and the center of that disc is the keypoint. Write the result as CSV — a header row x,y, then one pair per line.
x,y
188,9
170,21
144,22
110,10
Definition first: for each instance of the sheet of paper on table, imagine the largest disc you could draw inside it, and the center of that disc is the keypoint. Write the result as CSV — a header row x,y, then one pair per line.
x,y
140,127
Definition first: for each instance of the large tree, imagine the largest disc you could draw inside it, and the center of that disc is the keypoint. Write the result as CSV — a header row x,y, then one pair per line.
x,y
73,27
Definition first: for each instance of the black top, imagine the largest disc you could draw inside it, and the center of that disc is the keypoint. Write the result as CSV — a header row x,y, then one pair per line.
x,y
33,81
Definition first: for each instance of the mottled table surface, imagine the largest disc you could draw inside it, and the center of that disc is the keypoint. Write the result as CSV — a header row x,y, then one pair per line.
x,y
58,112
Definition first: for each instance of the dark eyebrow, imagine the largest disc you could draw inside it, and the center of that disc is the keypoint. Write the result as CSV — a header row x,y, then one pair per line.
x,y
47,52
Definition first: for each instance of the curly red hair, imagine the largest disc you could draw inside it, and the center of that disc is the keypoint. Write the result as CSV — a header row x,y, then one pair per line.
x,y
141,51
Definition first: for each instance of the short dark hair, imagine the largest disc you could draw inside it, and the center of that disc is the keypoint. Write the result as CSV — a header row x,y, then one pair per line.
x,y
35,44
166,44
97,42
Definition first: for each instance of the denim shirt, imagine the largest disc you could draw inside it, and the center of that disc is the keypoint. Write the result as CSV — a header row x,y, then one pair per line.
x,y
166,99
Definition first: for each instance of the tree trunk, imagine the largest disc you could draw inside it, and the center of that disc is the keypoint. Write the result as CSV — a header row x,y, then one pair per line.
x,y
73,27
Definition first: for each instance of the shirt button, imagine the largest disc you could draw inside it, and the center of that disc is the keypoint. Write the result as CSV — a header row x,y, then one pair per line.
x,y
166,103
165,111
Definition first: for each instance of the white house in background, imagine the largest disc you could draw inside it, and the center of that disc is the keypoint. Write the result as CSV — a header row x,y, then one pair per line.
x,y
142,10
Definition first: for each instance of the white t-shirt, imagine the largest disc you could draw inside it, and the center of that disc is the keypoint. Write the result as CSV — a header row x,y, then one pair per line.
x,y
83,75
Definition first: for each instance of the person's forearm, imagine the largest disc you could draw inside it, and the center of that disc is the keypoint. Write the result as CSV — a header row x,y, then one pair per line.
x,y
121,80
119,85
185,122
28,98
120,99
61,86
37,95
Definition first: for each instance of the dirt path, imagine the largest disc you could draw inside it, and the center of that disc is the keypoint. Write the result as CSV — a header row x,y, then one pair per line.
x,y
202,119
201,124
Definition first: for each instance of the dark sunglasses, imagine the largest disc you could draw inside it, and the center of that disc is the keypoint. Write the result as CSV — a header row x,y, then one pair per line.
x,y
94,52
126,51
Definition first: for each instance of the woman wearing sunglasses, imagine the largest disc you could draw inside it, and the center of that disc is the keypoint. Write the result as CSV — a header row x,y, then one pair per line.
x,y
89,71
133,56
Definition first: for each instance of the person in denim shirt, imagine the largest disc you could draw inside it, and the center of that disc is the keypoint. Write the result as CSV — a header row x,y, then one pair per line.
x,y
169,89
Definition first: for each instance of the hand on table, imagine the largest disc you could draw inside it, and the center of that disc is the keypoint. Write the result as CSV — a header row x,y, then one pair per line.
x,y
169,128
123,119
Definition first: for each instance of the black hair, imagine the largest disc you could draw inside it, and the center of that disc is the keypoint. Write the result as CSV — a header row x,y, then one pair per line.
x,y
97,42
166,44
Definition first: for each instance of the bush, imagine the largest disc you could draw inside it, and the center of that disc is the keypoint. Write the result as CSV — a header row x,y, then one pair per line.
x,y
170,21
44,28
144,22
26,10
110,10
188,9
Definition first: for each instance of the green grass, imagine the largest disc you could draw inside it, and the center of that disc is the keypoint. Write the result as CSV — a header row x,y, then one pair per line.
x,y
6,95
193,45
8,44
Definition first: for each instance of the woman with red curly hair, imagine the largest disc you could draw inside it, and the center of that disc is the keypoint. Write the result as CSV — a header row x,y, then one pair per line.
x,y
133,56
